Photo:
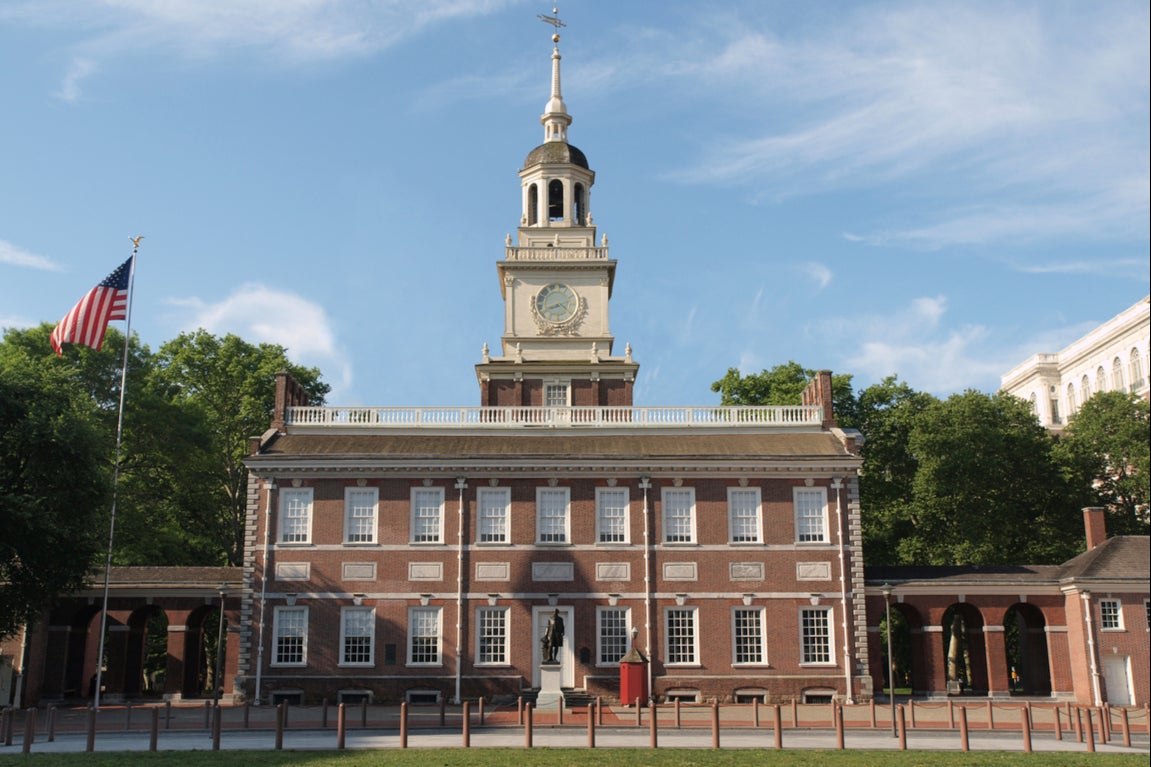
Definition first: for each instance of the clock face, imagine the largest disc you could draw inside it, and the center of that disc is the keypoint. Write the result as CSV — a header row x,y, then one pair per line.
x,y
557,303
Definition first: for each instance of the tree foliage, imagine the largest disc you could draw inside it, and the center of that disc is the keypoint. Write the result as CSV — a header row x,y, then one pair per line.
x,y
784,385
1106,451
53,477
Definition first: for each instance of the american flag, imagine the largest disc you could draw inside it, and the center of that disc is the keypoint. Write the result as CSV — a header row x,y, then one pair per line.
x,y
89,318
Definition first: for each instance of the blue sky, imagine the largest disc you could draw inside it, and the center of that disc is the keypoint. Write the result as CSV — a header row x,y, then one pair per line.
x,y
934,190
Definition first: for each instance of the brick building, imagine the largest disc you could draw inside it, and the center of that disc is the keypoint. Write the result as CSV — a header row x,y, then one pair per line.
x,y
419,552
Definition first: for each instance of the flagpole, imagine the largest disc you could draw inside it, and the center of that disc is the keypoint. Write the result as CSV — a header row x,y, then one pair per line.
x,y
115,477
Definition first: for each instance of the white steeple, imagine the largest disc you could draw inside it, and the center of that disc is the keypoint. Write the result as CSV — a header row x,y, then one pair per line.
x,y
555,118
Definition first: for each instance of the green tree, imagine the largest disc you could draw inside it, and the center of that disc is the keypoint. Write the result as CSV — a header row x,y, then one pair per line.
x,y
1106,452
784,385
986,488
231,384
53,485
887,415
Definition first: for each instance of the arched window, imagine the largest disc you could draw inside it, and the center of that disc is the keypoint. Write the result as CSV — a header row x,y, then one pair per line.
x,y
555,200
1071,399
1117,375
1100,380
1085,388
580,200
1136,371
1034,404
533,205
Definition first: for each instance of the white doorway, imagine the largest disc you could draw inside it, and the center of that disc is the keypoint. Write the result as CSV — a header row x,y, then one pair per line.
x,y
1117,675
566,657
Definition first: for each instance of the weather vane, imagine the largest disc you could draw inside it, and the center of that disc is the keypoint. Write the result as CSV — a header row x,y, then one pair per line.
x,y
554,21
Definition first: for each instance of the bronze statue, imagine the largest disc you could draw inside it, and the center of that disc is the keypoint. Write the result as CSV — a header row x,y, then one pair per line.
x,y
553,638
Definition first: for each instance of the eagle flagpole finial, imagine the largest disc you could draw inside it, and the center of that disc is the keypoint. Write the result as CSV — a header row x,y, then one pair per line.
x,y
136,241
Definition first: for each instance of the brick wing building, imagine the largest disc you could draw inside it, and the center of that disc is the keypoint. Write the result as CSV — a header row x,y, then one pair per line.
x,y
419,552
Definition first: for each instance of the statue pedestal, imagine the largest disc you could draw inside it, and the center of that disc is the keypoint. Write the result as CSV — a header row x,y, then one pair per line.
x,y
550,695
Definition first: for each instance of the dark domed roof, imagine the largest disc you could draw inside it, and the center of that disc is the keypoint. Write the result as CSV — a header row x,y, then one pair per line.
x,y
555,152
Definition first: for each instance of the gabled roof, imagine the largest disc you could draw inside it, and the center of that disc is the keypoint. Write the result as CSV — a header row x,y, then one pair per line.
x,y
1124,557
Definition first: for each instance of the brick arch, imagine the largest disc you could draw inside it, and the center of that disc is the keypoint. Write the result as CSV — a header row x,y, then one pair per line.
x,y
1027,625
974,651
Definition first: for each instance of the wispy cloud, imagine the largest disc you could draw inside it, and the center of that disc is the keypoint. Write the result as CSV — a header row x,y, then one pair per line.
x,y
1013,124
262,314
817,273
288,31
16,256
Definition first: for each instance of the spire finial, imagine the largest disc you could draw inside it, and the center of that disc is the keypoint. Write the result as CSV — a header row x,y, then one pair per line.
x,y
554,20
555,118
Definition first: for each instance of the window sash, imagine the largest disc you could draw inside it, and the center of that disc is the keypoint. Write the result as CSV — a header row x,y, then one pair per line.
x,y
612,635
357,630
427,515
679,515
811,516
360,516
681,636
556,395
1110,615
492,636
748,634
493,515
743,514
816,635
295,515
424,636
289,636
552,515
612,515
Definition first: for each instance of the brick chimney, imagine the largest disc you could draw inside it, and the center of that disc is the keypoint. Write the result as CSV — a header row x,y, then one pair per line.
x,y
289,393
818,392
1095,522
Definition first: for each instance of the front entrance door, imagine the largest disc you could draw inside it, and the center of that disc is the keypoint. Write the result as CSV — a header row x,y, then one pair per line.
x,y
1117,675
565,656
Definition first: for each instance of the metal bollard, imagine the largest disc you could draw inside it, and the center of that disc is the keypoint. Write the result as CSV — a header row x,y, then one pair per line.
x,y
795,713
443,710
874,723
207,715
951,713
29,729
528,725
324,713
1079,724
167,715
638,713
154,730
1090,727
520,711
341,726
1125,723
964,740
599,711
591,725
481,712
653,727
777,726
51,724
247,714
902,730
217,715
715,724
467,725
404,724
755,712
678,718
990,716
127,716
364,712
1057,725
838,715
911,710
90,745
281,721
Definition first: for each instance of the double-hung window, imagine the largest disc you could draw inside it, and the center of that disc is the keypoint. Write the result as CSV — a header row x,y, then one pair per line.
x,y
296,515
815,636
492,636
611,517
681,636
611,631
494,505
1110,615
553,520
360,504
749,639
290,636
811,515
424,636
743,515
427,515
357,636
679,515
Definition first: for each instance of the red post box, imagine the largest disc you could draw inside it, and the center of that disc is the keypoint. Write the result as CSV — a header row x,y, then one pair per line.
x,y
633,677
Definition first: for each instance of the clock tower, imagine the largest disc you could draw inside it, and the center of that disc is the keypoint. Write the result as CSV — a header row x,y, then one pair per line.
x,y
556,282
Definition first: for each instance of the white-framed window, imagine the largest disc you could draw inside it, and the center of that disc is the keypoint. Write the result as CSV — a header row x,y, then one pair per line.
x,y
1117,375
612,641
681,636
290,636
424,636
815,637
492,636
678,514
553,521
357,636
748,636
1100,380
557,394
1110,615
296,515
360,505
611,515
427,515
494,510
1135,382
743,515
811,514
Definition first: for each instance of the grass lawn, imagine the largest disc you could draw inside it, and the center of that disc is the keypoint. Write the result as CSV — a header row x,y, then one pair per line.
x,y
616,757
